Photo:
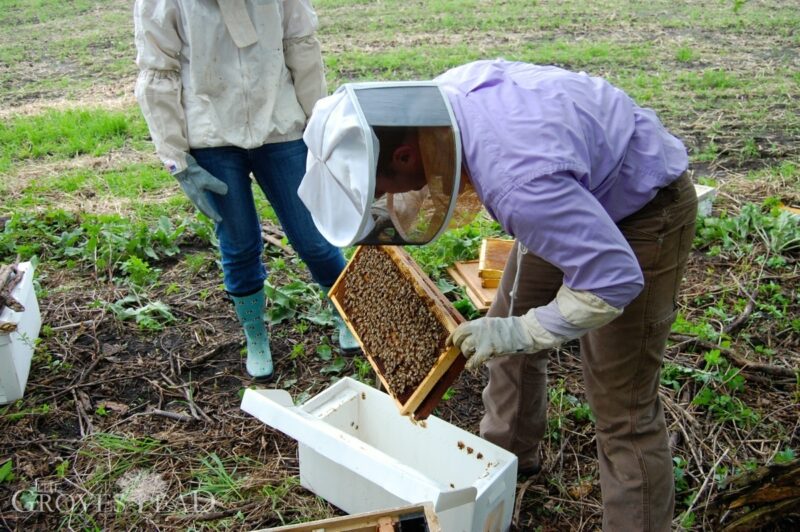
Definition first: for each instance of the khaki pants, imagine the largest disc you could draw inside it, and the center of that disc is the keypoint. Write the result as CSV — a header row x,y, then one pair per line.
x,y
621,368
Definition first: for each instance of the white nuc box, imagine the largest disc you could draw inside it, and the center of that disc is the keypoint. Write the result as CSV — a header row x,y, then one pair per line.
x,y
358,453
17,343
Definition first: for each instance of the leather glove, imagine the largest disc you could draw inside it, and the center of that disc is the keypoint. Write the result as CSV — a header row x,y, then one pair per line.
x,y
195,181
576,312
485,338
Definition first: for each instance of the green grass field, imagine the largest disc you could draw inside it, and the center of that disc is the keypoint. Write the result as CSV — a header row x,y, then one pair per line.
x,y
130,287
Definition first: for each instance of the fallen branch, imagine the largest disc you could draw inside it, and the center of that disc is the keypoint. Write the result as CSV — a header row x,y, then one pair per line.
x,y
172,415
9,277
520,495
748,309
194,408
759,497
711,473
740,320
272,229
769,369
698,342
86,323
81,405
276,242
212,516
212,353
77,382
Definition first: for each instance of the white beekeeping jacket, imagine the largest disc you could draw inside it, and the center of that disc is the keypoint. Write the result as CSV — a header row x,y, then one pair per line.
x,y
225,72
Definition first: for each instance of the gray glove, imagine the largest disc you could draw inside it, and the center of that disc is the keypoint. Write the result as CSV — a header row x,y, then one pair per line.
x,y
485,338
195,181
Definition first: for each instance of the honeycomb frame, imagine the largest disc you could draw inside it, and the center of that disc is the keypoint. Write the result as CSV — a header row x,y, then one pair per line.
x,y
421,400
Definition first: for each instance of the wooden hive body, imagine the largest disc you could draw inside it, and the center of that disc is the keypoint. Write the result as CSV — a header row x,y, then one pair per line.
x,y
492,260
466,274
421,400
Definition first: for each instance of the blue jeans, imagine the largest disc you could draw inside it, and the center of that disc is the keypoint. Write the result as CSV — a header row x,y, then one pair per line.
x,y
278,169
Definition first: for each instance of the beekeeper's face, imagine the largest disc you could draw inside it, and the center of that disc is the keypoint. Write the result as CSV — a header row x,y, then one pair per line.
x,y
404,172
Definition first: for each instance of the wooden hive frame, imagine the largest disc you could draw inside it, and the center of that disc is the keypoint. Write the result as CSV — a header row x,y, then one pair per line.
x,y
465,274
492,260
377,521
423,399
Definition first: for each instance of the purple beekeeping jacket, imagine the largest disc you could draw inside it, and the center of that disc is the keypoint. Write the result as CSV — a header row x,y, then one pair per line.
x,y
557,158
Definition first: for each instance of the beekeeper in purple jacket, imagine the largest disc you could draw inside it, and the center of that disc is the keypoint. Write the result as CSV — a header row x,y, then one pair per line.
x,y
595,191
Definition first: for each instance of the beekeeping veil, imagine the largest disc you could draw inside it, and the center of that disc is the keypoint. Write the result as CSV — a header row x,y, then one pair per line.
x,y
343,151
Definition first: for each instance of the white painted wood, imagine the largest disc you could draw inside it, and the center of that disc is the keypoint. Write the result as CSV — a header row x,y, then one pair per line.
x,y
16,348
357,452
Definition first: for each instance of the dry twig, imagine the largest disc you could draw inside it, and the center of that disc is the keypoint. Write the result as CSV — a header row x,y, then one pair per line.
x,y
171,415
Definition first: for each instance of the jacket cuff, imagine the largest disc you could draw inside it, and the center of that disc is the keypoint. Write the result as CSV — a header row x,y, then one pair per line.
x,y
159,96
540,336
573,313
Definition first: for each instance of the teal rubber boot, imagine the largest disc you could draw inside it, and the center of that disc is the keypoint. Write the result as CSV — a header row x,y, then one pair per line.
x,y
250,310
347,342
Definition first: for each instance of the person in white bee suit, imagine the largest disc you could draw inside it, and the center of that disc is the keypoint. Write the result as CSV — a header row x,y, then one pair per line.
x,y
595,191
226,88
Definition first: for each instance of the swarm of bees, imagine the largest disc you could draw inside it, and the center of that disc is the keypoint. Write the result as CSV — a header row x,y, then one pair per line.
x,y
395,325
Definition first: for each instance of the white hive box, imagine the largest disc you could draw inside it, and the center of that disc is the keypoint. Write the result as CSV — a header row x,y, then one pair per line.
x,y
705,196
358,453
16,347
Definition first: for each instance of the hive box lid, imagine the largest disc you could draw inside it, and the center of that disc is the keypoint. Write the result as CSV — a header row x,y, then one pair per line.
x,y
275,408
466,274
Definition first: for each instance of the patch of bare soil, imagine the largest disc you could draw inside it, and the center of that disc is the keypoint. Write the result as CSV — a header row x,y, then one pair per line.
x,y
113,96
37,169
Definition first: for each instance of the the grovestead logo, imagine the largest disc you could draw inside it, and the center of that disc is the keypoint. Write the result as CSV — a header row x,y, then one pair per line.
x,y
138,491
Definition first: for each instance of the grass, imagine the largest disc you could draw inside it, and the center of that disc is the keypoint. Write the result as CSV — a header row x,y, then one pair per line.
x,y
63,134
787,173
117,454
408,62
577,35
219,479
128,182
613,46
103,243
